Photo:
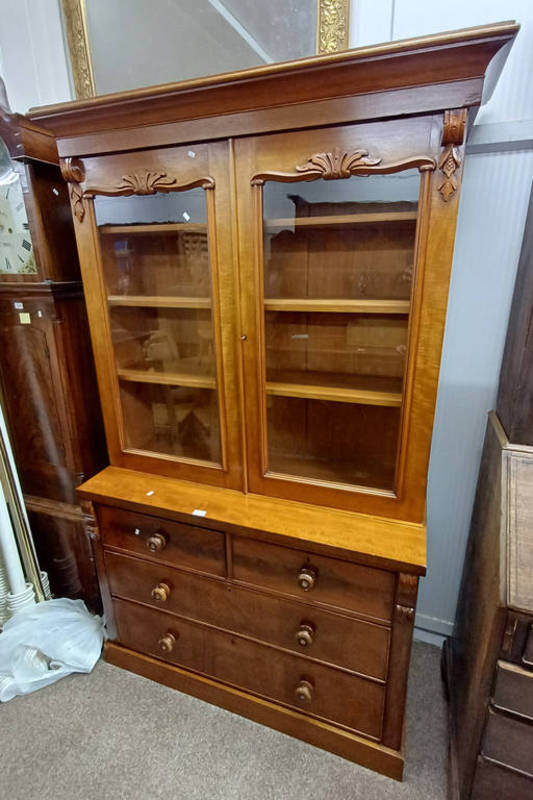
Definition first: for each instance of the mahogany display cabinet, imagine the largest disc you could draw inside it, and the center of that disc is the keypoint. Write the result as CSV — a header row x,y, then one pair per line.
x,y
266,258
47,377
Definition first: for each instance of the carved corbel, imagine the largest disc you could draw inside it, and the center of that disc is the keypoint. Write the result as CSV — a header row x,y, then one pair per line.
x,y
89,520
405,601
452,137
73,172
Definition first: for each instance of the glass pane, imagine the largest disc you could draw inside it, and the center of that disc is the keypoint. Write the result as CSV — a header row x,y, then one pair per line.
x,y
338,270
334,442
178,421
155,253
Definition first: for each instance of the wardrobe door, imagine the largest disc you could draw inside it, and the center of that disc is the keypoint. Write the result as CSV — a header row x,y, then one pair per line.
x,y
154,232
334,290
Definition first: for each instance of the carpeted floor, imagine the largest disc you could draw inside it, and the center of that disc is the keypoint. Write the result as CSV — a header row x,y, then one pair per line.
x,y
117,736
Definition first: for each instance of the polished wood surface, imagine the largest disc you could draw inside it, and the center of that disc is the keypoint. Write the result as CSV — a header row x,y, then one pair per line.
x,y
309,630
348,700
180,545
368,540
328,580
294,723
269,388
47,379
430,73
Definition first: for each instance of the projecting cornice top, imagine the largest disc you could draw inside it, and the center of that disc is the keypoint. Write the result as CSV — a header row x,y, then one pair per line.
x,y
429,73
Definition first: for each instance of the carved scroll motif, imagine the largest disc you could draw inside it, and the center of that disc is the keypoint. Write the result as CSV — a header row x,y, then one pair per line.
x,y
337,164
73,171
452,136
145,181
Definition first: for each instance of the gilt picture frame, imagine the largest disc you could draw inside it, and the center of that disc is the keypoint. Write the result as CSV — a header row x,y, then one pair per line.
x,y
332,35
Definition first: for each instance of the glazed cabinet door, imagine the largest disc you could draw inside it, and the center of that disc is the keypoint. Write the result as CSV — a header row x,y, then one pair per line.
x,y
154,235
341,360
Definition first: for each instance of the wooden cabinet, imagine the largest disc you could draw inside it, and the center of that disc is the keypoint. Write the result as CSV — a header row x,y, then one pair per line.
x,y
266,258
47,380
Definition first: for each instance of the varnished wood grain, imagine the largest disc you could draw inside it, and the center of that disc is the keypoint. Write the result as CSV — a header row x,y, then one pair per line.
x,y
369,591
369,540
350,701
185,545
321,734
338,639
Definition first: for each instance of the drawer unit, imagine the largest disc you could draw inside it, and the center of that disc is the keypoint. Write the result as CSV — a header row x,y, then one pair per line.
x,y
186,546
509,741
496,782
513,690
295,681
350,643
318,579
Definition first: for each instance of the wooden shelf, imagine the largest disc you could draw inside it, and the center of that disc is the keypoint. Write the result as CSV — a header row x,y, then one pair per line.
x,y
143,301
341,219
338,306
156,227
167,378
349,473
338,387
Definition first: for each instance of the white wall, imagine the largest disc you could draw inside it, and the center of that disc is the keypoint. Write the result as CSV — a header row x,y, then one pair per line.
x,y
494,196
492,212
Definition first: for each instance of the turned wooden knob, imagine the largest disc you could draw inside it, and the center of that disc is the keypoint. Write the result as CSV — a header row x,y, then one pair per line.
x,y
307,578
160,592
156,542
305,634
304,692
167,642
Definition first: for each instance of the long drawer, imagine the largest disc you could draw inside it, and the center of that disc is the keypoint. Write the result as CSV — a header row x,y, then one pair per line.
x,y
494,782
316,578
294,681
162,540
354,644
513,690
509,741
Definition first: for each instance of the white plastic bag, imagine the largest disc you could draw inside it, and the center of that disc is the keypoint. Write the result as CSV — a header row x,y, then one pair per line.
x,y
45,642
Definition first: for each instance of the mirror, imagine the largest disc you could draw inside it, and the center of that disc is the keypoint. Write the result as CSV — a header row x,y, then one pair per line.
x,y
128,44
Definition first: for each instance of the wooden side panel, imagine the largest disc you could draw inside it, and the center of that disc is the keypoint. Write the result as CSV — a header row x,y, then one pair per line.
x,y
480,617
64,550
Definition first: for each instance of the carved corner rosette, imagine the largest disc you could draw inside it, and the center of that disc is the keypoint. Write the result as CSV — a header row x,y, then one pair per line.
x,y
450,160
73,172
340,164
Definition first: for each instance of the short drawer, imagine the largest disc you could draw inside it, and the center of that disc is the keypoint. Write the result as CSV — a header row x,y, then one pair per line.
x,y
314,578
513,690
350,643
318,690
509,741
493,782
162,540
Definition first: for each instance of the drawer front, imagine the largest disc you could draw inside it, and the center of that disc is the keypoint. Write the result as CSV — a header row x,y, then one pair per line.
x,y
314,578
492,782
353,644
513,690
509,741
294,681
151,537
